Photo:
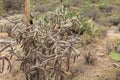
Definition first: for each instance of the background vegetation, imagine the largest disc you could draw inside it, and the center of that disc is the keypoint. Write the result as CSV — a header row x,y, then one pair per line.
x,y
69,40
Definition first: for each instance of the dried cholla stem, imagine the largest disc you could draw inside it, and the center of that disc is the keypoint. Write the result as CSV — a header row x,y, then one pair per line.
x,y
4,58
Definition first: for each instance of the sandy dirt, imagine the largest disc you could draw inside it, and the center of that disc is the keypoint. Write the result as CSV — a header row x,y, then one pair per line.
x,y
103,68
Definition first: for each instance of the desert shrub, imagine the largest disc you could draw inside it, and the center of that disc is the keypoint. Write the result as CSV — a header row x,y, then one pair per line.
x,y
13,4
115,53
1,7
90,57
117,2
114,56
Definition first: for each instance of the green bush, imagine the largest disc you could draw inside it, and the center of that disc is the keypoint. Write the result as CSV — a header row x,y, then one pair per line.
x,y
114,56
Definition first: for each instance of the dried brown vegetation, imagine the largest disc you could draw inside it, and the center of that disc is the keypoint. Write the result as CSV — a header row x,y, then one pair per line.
x,y
7,59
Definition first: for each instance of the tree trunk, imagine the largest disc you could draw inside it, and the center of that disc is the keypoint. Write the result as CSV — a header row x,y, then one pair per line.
x,y
61,1
27,11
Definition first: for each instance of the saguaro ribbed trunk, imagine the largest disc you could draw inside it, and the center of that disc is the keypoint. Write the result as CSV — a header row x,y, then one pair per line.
x,y
27,11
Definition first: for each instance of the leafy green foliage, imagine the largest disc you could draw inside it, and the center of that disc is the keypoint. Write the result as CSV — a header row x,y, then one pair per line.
x,y
90,28
103,4
114,56
118,47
